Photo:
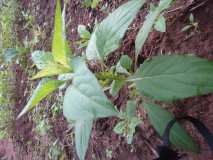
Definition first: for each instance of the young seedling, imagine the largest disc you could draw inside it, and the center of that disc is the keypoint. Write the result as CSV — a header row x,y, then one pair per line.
x,y
154,19
128,123
192,24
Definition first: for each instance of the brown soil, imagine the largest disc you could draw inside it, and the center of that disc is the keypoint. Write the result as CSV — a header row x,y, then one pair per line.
x,y
103,138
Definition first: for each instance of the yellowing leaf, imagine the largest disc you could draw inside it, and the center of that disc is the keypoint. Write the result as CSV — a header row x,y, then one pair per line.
x,y
51,70
59,46
44,88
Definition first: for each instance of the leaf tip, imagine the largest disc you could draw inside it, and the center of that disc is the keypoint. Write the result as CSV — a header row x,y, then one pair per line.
x,y
21,114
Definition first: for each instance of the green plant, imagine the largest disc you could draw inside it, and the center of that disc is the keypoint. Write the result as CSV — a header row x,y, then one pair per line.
x,y
154,19
165,77
91,3
192,24
50,64
128,122
84,36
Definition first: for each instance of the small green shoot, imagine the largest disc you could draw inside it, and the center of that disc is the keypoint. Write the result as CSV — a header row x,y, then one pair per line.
x,y
154,18
192,24
84,36
129,122
123,67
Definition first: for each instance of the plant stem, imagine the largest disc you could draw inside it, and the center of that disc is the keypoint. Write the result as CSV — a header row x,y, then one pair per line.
x,y
109,76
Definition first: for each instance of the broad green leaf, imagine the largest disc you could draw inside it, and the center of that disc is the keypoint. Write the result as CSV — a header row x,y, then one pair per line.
x,y
84,98
108,34
83,32
44,88
159,118
51,70
172,77
131,109
116,86
149,23
83,129
41,59
160,24
59,46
